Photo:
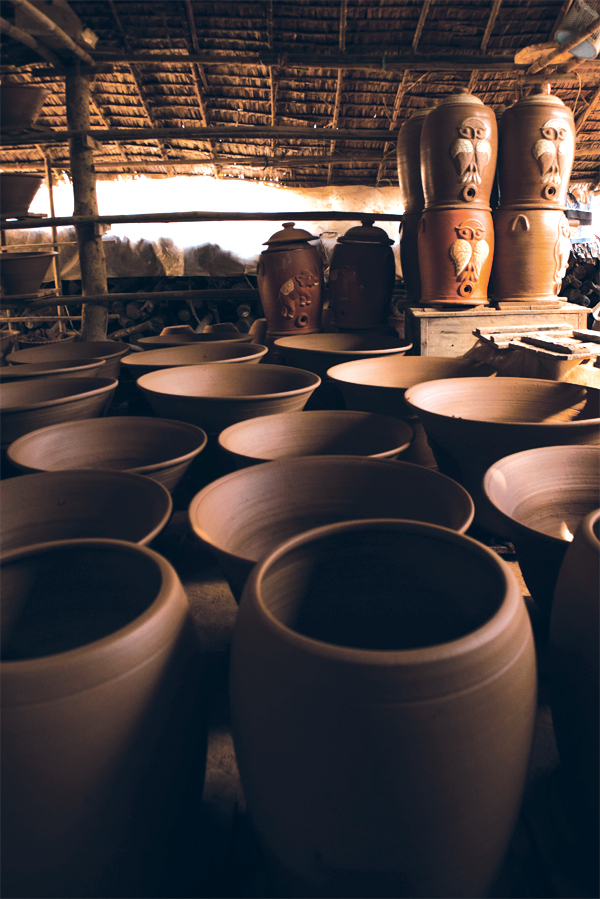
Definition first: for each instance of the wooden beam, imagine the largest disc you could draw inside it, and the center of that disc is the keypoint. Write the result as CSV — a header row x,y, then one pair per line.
x,y
61,37
23,38
584,116
559,19
337,105
192,26
490,24
420,25
270,24
343,17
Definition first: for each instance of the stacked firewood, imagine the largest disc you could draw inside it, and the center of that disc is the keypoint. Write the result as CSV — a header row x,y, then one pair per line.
x,y
581,283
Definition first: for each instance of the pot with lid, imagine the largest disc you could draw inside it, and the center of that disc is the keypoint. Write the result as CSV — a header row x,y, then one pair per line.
x,y
290,282
361,277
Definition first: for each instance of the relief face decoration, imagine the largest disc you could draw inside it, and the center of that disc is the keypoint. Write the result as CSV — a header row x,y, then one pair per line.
x,y
468,253
471,153
553,153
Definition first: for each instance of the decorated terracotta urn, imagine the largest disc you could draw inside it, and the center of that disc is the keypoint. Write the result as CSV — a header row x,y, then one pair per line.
x,y
361,277
459,146
537,148
456,247
532,253
290,282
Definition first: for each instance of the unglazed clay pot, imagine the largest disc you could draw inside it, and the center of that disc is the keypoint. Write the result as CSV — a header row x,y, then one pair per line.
x,y
138,364
459,147
409,255
61,505
408,157
242,516
362,275
20,105
542,495
24,273
112,351
319,352
216,396
290,282
103,731
75,368
383,697
322,432
473,422
28,405
17,192
537,148
161,449
456,248
184,339
531,255
573,665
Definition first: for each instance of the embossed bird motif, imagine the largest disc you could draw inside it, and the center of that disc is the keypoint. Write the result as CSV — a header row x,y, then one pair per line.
x,y
553,153
472,150
468,253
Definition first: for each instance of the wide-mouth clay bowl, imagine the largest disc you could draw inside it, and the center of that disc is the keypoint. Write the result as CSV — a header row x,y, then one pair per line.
x,y
28,405
76,368
157,341
112,351
216,396
473,422
318,352
244,515
332,432
20,105
17,191
379,385
64,505
153,360
23,273
162,450
542,495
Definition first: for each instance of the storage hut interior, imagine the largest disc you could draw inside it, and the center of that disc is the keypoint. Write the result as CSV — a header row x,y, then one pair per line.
x,y
299,408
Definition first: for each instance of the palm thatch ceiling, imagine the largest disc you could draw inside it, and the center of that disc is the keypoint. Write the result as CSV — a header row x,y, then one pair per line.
x,y
305,92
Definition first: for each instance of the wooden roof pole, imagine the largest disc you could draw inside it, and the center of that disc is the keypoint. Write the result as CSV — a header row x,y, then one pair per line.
x,y
336,116
91,252
420,25
583,116
23,38
402,89
490,25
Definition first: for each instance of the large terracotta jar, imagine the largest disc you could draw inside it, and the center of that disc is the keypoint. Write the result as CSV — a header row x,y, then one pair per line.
x,y
103,736
531,254
456,248
459,146
383,694
290,283
409,255
408,155
574,664
361,277
537,148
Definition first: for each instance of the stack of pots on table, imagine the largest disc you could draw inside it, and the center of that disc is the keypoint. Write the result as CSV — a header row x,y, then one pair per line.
x,y
536,152
458,151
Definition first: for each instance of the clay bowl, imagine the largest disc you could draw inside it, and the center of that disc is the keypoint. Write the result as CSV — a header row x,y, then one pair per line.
x,y
216,396
111,351
542,495
244,515
473,422
160,449
63,505
317,433
28,405
17,192
76,368
379,385
153,360
20,105
171,340
24,273
318,352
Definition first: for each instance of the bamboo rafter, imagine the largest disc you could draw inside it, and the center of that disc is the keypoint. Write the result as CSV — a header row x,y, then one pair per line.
x,y
51,28
420,25
490,24
334,122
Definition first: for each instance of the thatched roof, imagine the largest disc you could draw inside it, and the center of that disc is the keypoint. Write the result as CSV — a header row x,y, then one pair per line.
x,y
306,92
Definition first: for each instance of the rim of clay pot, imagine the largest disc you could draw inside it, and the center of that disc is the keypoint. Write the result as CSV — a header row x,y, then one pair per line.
x,y
74,478
75,385
240,428
349,372
477,642
309,343
237,355
47,369
535,457
590,529
172,340
416,397
105,425
87,348
145,382
90,660
17,254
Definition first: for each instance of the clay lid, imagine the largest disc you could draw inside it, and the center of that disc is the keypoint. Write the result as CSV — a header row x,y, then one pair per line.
x,y
290,234
461,95
541,96
366,233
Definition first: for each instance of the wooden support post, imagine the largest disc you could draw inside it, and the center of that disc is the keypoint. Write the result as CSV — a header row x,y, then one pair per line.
x,y
91,252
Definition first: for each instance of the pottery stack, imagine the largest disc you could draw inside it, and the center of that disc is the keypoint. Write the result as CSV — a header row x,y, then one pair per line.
x,y
458,153
536,151
408,153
